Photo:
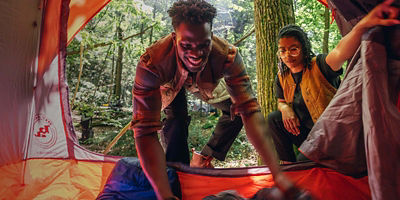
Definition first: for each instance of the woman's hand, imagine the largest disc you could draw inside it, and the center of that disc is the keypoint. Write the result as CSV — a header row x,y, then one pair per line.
x,y
383,14
289,118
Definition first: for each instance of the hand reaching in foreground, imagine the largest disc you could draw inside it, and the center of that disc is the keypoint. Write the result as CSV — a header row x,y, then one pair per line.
x,y
383,14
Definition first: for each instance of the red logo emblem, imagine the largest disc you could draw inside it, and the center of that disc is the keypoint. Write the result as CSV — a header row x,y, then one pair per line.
x,y
44,132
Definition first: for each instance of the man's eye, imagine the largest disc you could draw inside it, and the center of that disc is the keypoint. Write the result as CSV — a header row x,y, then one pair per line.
x,y
186,46
204,46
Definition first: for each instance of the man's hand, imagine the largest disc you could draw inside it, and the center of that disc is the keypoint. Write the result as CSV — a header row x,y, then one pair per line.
x,y
152,160
289,118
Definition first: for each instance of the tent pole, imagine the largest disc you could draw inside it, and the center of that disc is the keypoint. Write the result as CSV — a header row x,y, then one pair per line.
x,y
115,140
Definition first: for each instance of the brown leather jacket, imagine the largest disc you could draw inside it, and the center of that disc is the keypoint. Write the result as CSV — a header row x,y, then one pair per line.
x,y
160,75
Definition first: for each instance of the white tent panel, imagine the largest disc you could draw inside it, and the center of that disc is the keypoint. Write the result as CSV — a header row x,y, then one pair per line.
x,y
47,135
19,44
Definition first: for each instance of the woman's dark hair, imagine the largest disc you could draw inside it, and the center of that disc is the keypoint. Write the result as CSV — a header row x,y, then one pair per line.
x,y
192,12
295,31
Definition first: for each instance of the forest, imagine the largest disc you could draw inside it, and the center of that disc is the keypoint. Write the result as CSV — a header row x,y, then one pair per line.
x,y
102,58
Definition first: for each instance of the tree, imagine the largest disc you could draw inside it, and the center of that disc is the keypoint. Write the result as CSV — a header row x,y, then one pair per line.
x,y
325,44
118,67
269,17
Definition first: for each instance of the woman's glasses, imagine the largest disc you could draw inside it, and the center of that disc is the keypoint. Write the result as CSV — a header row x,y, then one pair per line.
x,y
294,51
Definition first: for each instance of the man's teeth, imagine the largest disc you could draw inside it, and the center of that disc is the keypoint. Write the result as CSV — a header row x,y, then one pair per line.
x,y
195,60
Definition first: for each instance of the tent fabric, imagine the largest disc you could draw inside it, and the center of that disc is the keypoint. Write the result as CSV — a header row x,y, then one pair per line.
x,y
72,179
40,156
81,12
18,51
35,114
127,181
53,179
323,183
358,131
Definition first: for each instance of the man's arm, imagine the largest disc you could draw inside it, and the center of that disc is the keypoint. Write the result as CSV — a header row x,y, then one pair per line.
x,y
245,104
152,159
349,44
256,127
146,122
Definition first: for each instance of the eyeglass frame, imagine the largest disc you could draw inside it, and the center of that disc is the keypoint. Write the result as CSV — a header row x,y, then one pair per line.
x,y
278,53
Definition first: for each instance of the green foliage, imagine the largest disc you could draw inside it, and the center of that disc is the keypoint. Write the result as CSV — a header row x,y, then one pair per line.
x,y
210,122
310,16
85,110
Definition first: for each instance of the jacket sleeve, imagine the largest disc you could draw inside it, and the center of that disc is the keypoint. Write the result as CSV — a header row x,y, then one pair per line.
x,y
238,85
146,98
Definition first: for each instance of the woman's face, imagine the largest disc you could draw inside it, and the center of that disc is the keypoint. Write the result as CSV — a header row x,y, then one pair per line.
x,y
291,53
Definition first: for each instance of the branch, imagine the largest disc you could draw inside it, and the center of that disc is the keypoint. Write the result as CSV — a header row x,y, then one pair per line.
x,y
244,37
109,43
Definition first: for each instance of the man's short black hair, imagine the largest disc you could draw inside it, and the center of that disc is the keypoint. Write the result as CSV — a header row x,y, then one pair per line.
x,y
192,12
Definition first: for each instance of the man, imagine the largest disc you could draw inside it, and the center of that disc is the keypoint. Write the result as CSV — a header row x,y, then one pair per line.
x,y
192,58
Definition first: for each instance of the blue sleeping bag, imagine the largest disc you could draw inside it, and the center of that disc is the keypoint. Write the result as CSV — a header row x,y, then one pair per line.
x,y
128,181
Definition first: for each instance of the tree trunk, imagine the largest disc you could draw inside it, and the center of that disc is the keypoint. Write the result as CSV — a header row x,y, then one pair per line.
x,y
141,30
112,75
325,43
151,30
269,17
118,67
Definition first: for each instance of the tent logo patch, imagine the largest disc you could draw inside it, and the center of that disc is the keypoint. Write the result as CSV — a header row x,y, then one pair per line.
x,y
44,132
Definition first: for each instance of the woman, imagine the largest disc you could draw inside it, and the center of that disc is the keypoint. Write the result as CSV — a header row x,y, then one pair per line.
x,y
304,86
306,83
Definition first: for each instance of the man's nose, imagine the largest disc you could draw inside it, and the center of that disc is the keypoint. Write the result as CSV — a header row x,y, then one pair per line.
x,y
197,52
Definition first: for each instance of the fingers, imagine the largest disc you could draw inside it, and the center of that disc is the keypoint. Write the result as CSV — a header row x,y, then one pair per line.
x,y
390,22
291,122
388,2
295,129
383,14
286,123
385,10
291,125
390,11
297,125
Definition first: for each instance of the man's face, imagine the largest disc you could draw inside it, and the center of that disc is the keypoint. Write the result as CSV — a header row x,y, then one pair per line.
x,y
193,44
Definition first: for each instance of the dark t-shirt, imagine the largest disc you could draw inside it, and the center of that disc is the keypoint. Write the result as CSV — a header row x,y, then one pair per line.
x,y
299,106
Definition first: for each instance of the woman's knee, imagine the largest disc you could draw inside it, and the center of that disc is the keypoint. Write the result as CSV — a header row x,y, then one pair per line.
x,y
274,117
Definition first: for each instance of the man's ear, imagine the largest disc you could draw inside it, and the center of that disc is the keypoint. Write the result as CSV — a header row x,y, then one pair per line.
x,y
174,37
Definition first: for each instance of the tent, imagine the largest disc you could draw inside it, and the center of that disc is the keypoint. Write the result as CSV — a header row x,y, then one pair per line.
x,y
40,155
358,131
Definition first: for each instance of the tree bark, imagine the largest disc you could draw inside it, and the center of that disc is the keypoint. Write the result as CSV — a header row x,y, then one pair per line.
x,y
141,30
151,30
118,68
325,43
269,17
